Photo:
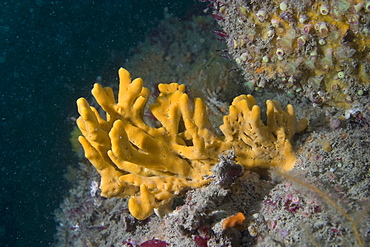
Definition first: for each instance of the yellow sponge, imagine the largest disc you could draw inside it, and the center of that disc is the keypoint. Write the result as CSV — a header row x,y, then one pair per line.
x,y
152,165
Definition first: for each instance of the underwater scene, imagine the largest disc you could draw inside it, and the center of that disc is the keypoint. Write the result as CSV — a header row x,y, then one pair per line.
x,y
185,123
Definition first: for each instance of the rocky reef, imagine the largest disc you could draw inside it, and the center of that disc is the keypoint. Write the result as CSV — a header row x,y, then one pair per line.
x,y
317,49
322,201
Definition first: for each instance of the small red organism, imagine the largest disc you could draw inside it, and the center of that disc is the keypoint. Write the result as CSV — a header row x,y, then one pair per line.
x,y
200,241
128,243
154,243
221,34
269,202
335,231
291,203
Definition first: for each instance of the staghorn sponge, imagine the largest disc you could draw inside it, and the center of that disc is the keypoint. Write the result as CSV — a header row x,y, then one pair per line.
x,y
152,165
256,144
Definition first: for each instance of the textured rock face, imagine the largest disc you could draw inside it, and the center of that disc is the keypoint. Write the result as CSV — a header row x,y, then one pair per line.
x,y
319,49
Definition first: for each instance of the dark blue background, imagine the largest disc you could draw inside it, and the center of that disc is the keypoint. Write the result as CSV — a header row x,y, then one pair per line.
x,y
50,54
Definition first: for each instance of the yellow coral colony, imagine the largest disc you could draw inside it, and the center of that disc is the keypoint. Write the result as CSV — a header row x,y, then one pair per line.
x,y
152,165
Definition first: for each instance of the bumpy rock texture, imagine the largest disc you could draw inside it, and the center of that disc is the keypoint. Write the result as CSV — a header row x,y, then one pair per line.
x,y
319,49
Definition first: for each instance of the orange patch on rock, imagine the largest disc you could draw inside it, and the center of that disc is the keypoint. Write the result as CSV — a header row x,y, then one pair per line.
x,y
235,221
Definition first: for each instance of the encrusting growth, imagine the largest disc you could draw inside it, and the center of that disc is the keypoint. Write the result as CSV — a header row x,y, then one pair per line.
x,y
152,165
236,221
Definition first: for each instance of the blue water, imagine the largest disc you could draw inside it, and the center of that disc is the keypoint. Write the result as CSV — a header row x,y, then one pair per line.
x,y
50,54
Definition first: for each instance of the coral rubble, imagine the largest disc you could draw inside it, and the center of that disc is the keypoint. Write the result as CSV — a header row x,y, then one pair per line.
x,y
315,48
153,165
